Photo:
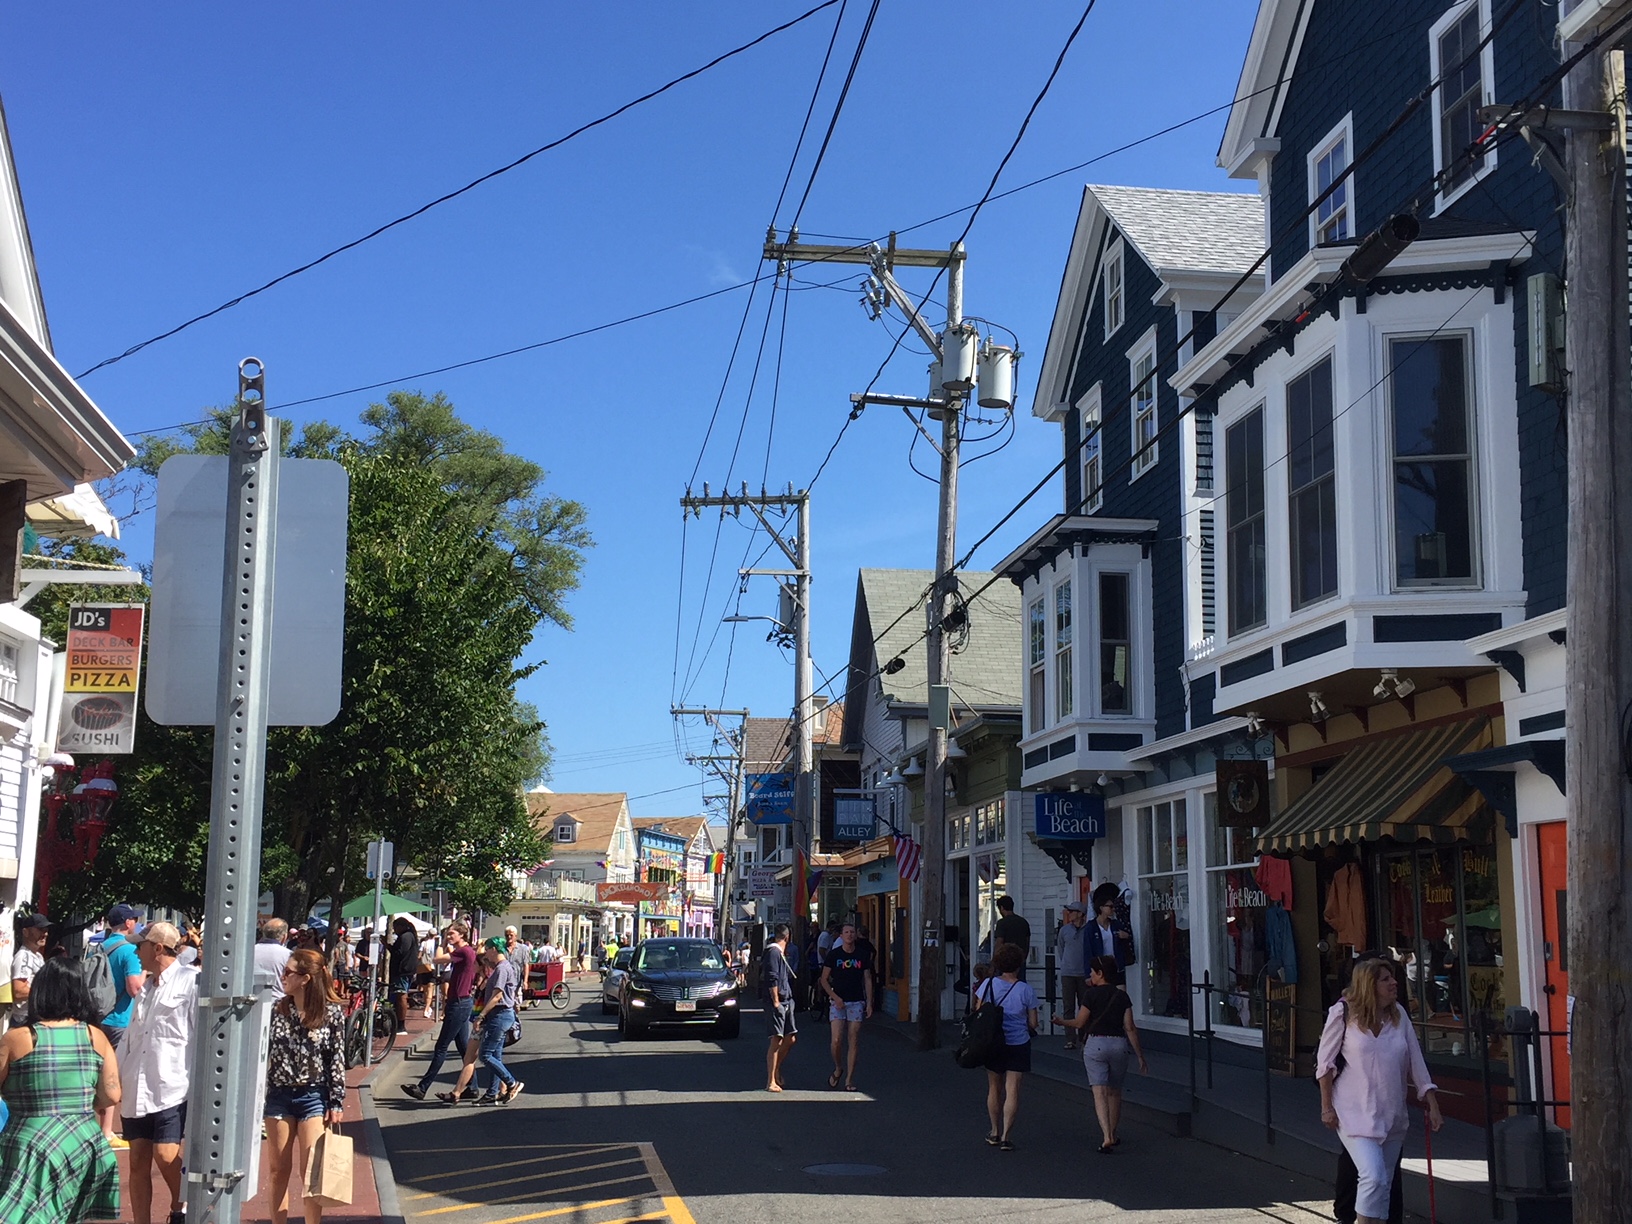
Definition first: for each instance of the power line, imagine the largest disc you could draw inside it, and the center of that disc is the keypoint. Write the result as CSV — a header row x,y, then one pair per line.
x,y
457,192
838,109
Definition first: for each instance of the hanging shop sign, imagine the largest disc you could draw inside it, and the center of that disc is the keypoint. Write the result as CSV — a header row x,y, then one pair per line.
x,y
854,820
647,892
99,684
770,799
1070,815
762,882
1243,794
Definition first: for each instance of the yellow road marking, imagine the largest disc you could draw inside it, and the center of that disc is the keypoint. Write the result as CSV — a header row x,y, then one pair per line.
x,y
557,1211
654,1215
672,1202
677,1209
555,1191
527,1177
509,1164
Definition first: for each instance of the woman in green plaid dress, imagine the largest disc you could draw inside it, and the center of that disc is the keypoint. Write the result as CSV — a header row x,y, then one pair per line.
x,y
54,1074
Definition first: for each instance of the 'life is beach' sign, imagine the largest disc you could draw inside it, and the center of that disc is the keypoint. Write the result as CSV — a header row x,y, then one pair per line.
x,y
1070,816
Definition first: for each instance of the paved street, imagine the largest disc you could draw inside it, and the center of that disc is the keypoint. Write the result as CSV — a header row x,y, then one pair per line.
x,y
679,1128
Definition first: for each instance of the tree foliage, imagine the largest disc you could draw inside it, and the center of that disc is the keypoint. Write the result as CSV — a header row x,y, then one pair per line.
x,y
455,556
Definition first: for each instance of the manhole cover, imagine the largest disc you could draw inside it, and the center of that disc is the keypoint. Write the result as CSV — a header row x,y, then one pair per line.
x,y
845,1170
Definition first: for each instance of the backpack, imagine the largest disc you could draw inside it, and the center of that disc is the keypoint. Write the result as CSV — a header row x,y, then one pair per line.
x,y
982,1034
98,975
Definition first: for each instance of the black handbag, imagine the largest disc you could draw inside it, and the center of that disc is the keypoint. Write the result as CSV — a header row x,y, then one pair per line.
x,y
982,1034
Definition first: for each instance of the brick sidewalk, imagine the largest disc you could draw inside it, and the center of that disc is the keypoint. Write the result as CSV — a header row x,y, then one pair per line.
x,y
365,1192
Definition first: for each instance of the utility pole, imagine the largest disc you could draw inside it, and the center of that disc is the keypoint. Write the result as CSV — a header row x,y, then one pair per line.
x,y
797,551
953,377
1598,685
738,739
228,1056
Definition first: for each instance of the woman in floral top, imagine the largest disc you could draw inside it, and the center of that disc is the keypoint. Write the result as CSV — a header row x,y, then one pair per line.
x,y
306,1073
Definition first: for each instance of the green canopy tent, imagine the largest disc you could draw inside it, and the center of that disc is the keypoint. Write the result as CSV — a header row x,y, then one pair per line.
x,y
390,903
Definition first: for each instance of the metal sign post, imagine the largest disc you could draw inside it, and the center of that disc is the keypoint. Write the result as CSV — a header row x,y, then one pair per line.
x,y
226,1057
380,856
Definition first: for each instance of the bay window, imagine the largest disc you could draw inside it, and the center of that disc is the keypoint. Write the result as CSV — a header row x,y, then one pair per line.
x,y
1244,516
1115,644
1431,430
1312,485
1063,704
1037,658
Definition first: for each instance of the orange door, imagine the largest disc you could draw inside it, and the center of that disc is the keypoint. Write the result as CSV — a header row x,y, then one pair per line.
x,y
1555,927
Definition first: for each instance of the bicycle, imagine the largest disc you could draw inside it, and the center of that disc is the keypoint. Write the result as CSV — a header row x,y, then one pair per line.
x,y
561,996
359,1047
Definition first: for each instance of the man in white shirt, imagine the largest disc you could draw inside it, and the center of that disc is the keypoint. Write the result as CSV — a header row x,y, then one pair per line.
x,y
154,1059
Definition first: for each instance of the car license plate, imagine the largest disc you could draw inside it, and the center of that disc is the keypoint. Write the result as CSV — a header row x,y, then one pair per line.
x,y
685,1005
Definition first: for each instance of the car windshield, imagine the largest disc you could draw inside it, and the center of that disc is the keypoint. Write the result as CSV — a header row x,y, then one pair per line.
x,y
623,959
656,956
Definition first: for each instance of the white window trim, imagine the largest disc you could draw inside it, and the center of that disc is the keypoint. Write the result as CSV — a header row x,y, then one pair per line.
x,y
1487,79
1146,347
1344,131
571,832
1113,255
1328,355
1042,665
1475,496
1061,714
1090,406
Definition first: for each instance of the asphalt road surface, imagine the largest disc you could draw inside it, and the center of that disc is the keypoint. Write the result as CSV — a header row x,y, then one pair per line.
x,y
680,1129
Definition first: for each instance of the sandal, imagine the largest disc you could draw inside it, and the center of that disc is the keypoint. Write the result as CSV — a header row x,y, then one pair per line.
x,y
447,1098
833,1080
851,1088
1005,1146
992,1140
1107,1149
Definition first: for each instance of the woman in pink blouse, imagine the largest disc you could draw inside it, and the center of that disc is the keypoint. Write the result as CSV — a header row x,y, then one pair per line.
x,y
1365,1100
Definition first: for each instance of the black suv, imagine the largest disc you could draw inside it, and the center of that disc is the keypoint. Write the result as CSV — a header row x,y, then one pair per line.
x,y
680,982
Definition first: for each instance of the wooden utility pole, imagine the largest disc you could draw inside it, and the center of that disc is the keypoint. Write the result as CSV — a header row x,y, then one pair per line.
x,y
1599,676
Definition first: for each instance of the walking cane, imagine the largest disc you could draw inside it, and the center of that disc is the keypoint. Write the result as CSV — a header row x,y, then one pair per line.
x,y
1428,1143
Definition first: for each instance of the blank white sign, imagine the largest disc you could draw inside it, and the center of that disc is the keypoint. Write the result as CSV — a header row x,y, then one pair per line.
x,y
308,592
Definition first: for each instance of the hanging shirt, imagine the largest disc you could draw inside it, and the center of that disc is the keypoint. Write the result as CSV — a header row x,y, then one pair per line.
x,y
1346,906
1275,878
1279,949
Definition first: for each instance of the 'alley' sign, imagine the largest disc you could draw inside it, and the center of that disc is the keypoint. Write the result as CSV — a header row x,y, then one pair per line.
x,y
103,666
1070,816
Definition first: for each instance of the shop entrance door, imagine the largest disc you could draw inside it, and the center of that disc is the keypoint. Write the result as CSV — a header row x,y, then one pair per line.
x,y
1553,842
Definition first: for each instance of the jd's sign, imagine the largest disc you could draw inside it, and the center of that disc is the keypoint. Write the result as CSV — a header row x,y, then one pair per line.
x,y
1070,816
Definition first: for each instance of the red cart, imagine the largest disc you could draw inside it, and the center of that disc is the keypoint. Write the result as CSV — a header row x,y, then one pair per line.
x,y
548,982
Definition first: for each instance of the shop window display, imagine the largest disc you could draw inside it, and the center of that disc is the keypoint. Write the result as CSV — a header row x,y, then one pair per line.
x,y
1164,897
1238,906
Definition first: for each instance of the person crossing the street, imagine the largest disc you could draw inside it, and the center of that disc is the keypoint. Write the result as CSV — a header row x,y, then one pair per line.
x,y
847,981
776,980
497,1000
460,959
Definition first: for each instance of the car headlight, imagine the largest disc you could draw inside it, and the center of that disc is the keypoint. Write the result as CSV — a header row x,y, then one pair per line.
x,y
731,1002
637,1002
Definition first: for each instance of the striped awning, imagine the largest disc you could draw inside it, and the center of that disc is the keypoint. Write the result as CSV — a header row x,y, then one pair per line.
x,y
1398,786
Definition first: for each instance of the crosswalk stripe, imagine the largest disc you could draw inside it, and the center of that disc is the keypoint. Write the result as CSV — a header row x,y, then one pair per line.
x,y
557,1211
526,1177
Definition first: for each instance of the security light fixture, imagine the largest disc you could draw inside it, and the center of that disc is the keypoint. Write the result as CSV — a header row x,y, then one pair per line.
x,y
1104,779
1318,711
1255,724
1391,683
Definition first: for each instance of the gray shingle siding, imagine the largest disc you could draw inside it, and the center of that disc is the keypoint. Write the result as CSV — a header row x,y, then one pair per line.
x,y
1375,82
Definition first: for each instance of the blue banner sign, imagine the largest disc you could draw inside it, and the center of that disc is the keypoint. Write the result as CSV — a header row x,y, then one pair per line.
x,y
770,799
1070,816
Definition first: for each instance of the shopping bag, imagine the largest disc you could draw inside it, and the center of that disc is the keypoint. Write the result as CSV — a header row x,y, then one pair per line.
x,y
328,1178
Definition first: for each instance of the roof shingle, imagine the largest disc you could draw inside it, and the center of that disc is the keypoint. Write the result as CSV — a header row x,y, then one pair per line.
x,y
1188,231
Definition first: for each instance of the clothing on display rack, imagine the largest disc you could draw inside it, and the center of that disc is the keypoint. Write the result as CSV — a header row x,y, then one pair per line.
x,y
1346,906
1282,952
1275,878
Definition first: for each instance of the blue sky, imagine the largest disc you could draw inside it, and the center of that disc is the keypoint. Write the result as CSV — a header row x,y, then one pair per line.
x,y
173,157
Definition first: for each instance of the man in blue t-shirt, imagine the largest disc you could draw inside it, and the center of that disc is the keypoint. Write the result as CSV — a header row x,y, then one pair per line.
x,y
119,945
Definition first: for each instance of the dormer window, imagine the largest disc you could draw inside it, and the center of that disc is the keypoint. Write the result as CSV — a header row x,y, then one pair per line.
x,y
566,832
1333,219
1115,299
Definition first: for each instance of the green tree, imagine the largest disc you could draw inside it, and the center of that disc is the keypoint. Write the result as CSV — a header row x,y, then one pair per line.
x,y
455,557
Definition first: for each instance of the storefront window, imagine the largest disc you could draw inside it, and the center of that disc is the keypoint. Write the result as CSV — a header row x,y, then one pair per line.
x,y
989,823
1238,906
1442,922
1164,896
958,831
991,882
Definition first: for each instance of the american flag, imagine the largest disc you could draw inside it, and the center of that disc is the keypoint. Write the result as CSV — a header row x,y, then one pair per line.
x,y
907,856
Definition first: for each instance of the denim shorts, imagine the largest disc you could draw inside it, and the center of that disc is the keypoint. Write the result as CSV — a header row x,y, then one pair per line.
x,y
166,1126
296,1104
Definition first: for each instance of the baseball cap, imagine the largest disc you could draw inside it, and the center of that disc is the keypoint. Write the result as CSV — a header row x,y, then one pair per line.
x,y
1073,905
35,922
121,914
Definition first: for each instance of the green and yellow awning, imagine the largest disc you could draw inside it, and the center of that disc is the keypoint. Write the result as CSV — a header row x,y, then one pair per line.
x,y
1395,786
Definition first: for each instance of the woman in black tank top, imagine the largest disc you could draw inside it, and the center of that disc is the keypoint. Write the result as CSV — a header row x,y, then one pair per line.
x,y
1109,1037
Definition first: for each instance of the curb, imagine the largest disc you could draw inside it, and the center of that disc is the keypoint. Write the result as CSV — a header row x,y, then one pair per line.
x,y
385,1183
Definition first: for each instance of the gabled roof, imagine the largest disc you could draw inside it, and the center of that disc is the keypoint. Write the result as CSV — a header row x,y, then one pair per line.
x,y
597,816
1183,236
889,624
1266,71
19,279
1188,231
767,744
687,827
